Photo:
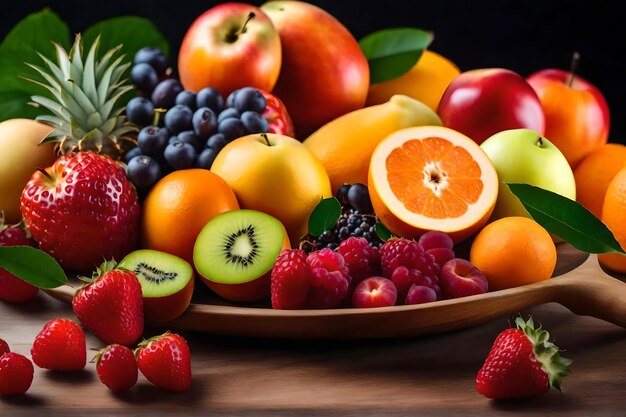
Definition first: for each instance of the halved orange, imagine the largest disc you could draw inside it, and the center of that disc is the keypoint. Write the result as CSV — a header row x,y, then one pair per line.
x,y
432,178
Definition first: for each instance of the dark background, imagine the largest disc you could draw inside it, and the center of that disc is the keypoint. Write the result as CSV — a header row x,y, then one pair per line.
x,y
522,35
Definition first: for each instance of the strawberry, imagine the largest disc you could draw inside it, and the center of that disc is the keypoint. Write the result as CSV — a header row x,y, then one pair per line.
x,y
81,210
166,362
290,280
16,374
522,363
117,368
60,346
4,347
111,305
13,289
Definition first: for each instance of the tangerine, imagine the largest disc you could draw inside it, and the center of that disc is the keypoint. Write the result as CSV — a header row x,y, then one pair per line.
x,y
595,172
613,211
432,178
513,251
426,81
178,207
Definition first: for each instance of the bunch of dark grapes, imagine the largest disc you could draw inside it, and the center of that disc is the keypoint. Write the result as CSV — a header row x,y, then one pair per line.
x,y
357,219
195,127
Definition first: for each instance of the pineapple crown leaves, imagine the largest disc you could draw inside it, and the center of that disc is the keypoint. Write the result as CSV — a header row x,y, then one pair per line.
x,y
546,352
85,95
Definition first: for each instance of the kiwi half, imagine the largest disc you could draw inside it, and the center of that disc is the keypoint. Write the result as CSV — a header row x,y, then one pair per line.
x,y
237,248
166,282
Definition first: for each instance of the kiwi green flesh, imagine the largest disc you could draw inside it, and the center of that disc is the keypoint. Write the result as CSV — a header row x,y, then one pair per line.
x,y
160,274
238,246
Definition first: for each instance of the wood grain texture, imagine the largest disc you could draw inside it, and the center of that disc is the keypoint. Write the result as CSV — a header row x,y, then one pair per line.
x,y
426,375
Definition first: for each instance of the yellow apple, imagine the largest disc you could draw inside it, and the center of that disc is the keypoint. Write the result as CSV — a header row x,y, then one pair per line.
x,y
277,175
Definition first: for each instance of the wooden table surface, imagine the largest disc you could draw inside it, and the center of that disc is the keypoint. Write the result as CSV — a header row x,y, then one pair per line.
x,y
432,375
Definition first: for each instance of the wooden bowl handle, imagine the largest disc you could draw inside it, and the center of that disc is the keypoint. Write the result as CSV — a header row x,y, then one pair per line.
x,y
598,295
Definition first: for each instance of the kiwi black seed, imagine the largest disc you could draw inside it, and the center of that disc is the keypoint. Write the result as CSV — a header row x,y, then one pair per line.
x,y
160,274
238,246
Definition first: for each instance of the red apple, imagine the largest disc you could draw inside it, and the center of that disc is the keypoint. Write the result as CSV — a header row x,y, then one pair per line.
x,y
230,46
277,116
324,73
483,102
577,115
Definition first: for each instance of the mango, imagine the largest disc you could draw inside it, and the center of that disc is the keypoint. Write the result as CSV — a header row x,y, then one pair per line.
x,y
345,145
20,156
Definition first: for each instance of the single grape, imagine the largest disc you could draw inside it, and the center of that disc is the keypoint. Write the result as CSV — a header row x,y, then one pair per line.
x,y
230,100
152,140
216,142
144,77
226,113
140,111
342,195
154,57
164,94
359,198
206,158
187,98
130,154
204,123
249,98
253,122
188,136
180,155
143,171
231,128
178,118
211,98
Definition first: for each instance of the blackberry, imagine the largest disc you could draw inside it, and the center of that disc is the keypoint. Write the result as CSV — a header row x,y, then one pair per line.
x,y
351,223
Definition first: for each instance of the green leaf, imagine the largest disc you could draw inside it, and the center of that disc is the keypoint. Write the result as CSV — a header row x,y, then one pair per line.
x,y
33,35
392,52
324,216
566,219
132,32
33,266
382,232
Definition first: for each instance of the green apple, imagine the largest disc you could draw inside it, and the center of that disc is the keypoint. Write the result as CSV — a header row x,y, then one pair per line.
x,y
524,156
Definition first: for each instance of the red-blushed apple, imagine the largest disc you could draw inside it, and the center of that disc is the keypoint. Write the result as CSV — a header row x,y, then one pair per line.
x,y
482,102
230,46
374,292
324,73
577,114
277,116
459,278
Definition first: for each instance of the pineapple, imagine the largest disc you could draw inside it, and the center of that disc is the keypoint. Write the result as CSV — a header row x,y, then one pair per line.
x,y
86,110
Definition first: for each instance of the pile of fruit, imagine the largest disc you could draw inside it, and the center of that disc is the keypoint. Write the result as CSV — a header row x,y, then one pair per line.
x,y
219,174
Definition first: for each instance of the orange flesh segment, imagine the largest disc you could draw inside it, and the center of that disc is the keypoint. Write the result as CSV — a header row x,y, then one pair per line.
x,y
434,178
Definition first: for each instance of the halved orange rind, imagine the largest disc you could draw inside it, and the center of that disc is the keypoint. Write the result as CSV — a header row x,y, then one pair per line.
x,y
432,178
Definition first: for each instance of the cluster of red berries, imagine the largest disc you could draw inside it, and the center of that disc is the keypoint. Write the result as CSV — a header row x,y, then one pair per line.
x,y
402,271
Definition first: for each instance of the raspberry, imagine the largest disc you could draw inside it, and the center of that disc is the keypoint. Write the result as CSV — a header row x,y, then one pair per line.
x,y
406,263
330,279
290,280
363,260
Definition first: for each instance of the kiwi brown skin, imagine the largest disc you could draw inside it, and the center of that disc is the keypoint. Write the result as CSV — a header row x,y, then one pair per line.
x,y
159,310
254,290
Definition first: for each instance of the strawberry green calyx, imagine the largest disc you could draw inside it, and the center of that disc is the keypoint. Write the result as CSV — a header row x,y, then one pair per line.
x,y
96,359
106,266
145,342
546,352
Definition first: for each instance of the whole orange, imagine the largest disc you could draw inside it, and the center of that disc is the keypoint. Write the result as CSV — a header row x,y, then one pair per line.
x,y
513,251
594,174
178,207
426,81
613,212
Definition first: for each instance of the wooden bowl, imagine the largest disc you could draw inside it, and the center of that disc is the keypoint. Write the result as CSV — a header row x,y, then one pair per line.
x,y
578,284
